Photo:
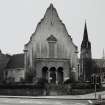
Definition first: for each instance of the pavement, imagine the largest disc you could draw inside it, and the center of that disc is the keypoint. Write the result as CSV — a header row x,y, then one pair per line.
x,y
66,97
17,101
50,100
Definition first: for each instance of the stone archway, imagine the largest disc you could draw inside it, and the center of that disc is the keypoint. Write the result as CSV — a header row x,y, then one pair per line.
x,y
60,76
45,73
53,75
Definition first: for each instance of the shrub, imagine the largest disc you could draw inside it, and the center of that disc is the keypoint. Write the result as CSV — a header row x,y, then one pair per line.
x,y
81,85
40,82
68,81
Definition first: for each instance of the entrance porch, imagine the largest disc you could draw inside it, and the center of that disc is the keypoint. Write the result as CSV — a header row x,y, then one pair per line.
x,y
53,75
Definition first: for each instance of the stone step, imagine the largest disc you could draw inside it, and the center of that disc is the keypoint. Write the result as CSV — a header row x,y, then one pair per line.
x,y
53,93
56,90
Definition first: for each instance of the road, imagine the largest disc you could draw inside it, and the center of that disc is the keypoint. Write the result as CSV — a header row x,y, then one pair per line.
x,y
18,101
49,100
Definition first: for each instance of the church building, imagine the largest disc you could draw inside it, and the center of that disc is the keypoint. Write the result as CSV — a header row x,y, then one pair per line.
x,y
85,57
50,54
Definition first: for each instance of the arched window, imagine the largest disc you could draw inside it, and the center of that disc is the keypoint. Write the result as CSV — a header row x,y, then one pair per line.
x,y
45,73
53,75
60,75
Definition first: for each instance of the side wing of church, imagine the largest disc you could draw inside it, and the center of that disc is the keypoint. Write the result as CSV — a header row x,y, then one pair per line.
x,y
50,54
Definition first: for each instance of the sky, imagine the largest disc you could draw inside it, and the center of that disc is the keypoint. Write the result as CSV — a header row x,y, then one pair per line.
x,y
18,20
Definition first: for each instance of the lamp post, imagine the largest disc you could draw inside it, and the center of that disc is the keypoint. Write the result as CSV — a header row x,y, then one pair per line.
x,y
78,71
95,86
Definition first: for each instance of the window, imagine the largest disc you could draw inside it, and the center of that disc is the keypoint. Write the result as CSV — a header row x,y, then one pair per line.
x,y
51,41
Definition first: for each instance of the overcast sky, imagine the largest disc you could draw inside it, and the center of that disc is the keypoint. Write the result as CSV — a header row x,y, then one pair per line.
x,y
18,20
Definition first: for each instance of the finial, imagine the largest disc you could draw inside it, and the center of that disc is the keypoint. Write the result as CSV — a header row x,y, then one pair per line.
x,y
51,5
51,1
51,8
85,25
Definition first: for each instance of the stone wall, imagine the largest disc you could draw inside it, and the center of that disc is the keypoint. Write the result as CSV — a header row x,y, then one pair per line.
x,y
15,75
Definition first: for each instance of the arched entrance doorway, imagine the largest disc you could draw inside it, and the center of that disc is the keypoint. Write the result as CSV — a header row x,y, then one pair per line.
x,y
53,75
60,75
45,73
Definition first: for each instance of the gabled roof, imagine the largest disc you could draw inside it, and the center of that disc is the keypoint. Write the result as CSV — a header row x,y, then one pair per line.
x,y
16,61
51,18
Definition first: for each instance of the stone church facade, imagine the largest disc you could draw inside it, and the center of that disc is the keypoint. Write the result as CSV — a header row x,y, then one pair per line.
x,y
50,54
